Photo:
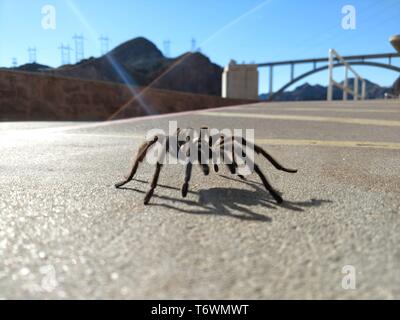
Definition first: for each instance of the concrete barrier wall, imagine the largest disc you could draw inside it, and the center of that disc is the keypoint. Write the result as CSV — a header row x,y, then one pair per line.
x,y
29,96
240,81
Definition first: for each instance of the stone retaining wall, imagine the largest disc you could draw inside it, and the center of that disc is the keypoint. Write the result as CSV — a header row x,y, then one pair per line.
x,y
30,96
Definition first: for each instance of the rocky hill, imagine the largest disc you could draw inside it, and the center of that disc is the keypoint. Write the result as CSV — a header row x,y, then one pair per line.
x,y
32,67
307,92
139,62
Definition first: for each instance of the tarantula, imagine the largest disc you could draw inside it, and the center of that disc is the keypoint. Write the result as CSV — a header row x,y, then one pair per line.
x,y
222,143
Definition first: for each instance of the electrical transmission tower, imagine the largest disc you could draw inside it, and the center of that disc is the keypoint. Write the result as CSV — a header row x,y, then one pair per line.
x,y
104,44
65,54
194,45
167,48
14,62
32,54
79,48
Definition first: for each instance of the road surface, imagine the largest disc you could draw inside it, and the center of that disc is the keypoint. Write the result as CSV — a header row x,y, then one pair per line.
x,y
66,232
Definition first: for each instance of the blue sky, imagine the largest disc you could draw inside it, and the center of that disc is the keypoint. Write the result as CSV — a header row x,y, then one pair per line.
x,y
247,30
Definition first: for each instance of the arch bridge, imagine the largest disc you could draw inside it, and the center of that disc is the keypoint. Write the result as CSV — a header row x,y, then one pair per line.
x,y
363,60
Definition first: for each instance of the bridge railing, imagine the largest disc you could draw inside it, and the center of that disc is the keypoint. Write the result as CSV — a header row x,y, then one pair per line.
x,y
334,56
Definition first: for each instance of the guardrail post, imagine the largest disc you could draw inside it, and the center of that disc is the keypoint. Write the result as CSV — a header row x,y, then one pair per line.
x,y
345,87
271,79
346,82
292,72
330,85
363,90
355,92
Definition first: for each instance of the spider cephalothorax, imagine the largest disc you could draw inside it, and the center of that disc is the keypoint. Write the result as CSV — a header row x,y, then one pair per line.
x,y
207,147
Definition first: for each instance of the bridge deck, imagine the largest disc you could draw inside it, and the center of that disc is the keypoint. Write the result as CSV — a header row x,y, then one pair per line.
x,y
67,233
361,57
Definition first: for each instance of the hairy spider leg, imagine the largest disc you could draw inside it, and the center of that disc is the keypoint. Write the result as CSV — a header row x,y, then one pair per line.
x,y
231,166
141,154
267,185
202,143
211,148
156,175
204,166
234,162
188,175
264,179
189,167
154,181
266,155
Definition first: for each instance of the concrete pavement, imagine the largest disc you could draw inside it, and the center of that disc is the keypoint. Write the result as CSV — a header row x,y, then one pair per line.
x,y
66,232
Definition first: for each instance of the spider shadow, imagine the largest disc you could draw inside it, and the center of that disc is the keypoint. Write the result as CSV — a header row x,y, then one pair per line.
x,y
231,202
287,204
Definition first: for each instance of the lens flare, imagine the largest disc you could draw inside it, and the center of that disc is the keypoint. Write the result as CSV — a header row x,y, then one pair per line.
x,y
120,70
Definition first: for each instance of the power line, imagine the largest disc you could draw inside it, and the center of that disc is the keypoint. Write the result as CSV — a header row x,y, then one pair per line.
x,y
104,45
167,48
194,45
79,48
65,54
14,62
32,54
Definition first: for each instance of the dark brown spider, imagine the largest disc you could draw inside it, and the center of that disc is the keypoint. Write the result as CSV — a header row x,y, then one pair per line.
x,y
204,140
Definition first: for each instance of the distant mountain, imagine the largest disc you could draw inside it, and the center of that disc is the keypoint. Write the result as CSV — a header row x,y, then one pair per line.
x,y
307,92
32,67
140,62
132,62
